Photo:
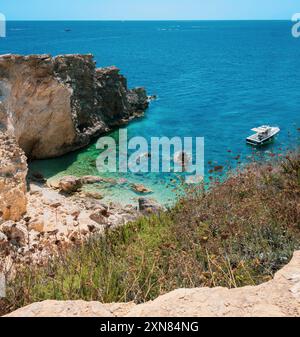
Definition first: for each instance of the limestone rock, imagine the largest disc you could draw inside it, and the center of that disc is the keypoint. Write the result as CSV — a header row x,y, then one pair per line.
x,y
43,224
17,234
72,308
3,240
13,170
55,105
93,194
98,217
36,225
138,100
85,222
70,184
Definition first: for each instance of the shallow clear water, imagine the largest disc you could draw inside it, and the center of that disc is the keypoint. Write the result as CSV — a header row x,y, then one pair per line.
x,y
213,79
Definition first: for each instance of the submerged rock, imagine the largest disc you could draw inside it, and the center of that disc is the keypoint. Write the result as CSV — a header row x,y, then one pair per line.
x,y
38,177
91,179
139,188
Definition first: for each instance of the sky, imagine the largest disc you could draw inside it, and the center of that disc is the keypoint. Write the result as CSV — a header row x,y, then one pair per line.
x,y
149,9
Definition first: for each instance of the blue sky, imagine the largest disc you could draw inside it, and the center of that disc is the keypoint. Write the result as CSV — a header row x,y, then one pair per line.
x,y
148,9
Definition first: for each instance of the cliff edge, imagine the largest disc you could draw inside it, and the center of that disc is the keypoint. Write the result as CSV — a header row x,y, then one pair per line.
x,y
54,105
279,297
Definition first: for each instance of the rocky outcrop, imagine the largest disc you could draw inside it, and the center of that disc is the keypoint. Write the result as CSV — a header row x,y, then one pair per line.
x,y
56,105
57,220
13,170
279,297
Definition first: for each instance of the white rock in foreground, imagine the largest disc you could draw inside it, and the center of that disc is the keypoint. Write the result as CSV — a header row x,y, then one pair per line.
x,y
279,297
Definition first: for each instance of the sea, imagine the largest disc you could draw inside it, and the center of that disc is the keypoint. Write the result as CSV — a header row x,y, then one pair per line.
x,y
212,79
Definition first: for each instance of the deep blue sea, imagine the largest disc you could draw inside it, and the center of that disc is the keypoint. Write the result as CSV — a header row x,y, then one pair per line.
x,y
213,79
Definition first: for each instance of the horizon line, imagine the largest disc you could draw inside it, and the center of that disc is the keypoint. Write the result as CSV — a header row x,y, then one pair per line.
x,y
138,20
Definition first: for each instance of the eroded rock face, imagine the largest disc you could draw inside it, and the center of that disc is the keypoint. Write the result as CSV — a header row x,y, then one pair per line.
x,y
13,171
56,105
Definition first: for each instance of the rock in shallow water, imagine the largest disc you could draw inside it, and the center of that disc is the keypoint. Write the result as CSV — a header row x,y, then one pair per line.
x,y
91,179
148,206
139,188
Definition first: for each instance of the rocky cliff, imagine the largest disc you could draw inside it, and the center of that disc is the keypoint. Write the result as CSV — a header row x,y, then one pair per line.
x,y
279,297
56,105
13,170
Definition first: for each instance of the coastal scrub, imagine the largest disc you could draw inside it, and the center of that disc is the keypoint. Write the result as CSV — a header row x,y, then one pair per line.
x,y
237,233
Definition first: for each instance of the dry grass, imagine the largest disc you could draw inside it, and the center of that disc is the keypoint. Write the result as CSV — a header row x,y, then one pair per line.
x,y
239,232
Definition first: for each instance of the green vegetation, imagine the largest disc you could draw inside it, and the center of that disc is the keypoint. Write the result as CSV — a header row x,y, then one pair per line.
x,y
239,232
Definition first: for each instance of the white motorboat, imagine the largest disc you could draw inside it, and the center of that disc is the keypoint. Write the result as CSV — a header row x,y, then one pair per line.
x,y
263,135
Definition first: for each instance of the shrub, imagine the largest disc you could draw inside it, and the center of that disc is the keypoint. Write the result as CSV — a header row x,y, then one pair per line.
x,y
238,232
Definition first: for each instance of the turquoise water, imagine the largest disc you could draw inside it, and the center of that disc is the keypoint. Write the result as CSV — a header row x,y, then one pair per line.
x,y
213,79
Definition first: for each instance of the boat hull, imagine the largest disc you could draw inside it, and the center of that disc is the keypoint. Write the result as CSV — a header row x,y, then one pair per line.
x,y
260,142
